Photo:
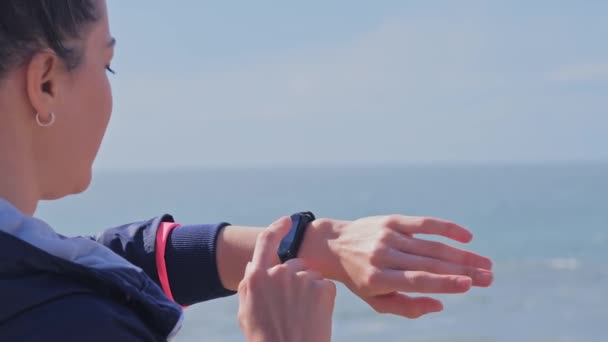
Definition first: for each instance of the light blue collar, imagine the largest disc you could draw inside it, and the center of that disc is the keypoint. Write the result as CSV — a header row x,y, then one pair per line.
x,y
78,250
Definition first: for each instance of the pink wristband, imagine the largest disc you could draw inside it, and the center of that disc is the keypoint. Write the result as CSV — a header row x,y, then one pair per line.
x,y
162,235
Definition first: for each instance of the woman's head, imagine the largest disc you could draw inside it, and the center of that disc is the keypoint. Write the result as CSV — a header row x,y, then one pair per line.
x,y
54,57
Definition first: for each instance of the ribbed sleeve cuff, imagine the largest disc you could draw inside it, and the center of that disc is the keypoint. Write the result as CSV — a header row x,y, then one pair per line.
x,y
190,256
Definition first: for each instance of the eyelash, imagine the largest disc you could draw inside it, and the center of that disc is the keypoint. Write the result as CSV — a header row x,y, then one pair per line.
x,y
109,69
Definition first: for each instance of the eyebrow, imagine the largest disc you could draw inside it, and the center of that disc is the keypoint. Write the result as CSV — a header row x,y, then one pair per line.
x,y
112,43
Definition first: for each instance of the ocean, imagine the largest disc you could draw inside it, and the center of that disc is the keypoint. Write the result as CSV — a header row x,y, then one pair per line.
x,y
544,225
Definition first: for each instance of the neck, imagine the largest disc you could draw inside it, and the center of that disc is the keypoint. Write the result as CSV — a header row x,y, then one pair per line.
x,y
15,188
18,182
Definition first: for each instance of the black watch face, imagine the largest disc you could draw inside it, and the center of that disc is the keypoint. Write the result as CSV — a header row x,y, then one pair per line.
x,y
291,242
287,242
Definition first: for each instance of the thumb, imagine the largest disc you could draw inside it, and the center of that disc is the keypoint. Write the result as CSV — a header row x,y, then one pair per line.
x,y
267,243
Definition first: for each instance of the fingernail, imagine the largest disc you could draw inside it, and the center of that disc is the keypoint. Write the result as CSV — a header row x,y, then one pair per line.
x,y
438,308
464,283
485,277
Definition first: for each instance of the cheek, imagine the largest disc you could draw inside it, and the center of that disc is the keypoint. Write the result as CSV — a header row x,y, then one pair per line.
x,y
100,106
106,102
93,113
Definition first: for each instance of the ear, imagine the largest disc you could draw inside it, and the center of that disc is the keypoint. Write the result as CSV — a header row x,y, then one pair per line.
x,y
43,76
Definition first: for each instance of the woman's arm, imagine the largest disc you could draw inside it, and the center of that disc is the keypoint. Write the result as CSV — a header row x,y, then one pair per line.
x,y
378,258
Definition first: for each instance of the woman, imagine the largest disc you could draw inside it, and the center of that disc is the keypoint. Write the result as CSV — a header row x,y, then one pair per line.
x,y
130,282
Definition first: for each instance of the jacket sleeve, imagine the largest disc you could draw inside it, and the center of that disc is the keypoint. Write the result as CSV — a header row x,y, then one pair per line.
x,y
190,256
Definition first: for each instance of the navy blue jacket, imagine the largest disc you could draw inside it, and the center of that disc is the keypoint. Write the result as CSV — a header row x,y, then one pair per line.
x,y
100,288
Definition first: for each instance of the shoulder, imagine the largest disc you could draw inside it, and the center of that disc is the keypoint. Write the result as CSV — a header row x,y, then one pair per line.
x,y
77,317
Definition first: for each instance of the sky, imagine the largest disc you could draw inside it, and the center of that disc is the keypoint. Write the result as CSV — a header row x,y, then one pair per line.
x,y
256,83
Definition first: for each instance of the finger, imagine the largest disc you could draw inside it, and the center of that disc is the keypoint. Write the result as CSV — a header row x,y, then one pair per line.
x,y
312,275
290,267
242,291
425,282
427,225
403,305
295,265
408,262
249,269
438,250
242,288
267,243
328,286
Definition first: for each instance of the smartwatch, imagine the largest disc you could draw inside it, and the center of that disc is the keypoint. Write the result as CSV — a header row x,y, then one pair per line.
x,y
290,245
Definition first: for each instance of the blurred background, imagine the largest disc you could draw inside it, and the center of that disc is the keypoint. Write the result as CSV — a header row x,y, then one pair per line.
x,y
491,114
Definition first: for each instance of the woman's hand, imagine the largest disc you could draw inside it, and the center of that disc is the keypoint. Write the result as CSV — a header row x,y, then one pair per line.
x,y
380,258
283,302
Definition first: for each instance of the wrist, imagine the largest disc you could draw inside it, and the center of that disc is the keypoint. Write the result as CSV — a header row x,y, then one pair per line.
x,y
319,248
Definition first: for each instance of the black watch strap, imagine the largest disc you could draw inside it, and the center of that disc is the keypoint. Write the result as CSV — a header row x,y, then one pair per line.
x,y
290,245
